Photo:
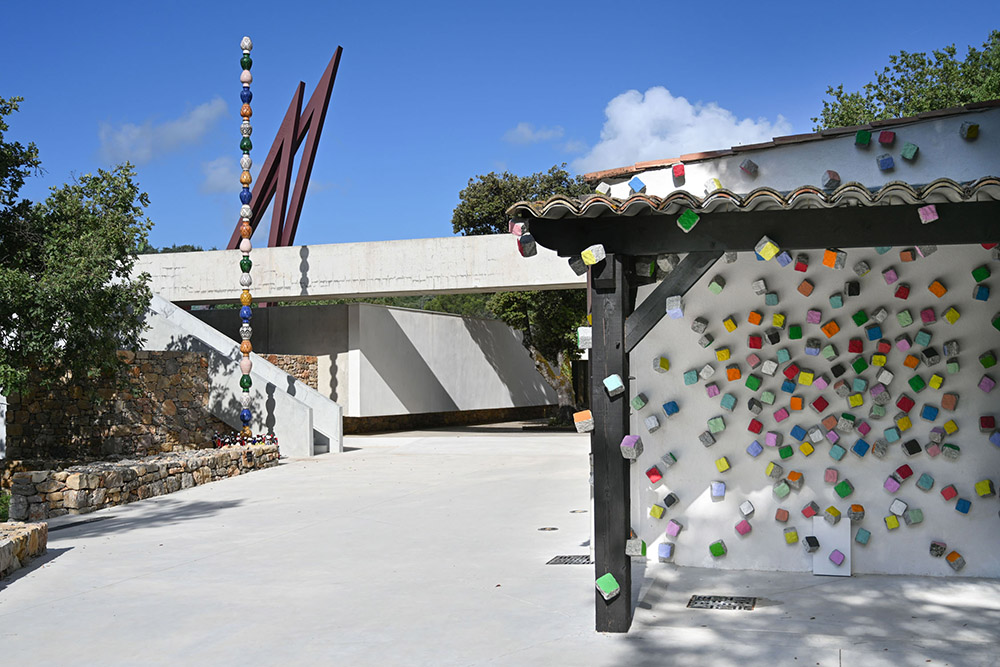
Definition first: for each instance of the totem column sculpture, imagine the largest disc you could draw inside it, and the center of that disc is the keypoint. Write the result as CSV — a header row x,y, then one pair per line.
x,y
246,312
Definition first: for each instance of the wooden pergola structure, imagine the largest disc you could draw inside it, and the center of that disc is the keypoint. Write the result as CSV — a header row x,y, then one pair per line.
x,y
806,218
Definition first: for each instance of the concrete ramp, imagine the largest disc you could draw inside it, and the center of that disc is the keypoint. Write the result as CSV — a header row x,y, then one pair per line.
x,y
305,421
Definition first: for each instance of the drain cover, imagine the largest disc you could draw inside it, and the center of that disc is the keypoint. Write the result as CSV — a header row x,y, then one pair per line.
x,y
570,560
732,602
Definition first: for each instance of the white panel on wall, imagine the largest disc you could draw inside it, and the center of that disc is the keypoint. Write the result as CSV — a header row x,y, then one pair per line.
x,y
902,550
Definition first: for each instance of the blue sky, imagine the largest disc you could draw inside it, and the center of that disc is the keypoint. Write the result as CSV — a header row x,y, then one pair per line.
x,y
428,94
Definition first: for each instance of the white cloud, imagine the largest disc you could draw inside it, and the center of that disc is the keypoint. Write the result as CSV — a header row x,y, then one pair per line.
x,y
574,146
142,143
526,133
221,175
658,125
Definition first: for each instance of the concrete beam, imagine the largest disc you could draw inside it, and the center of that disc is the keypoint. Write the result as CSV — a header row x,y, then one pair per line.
x,y
452,265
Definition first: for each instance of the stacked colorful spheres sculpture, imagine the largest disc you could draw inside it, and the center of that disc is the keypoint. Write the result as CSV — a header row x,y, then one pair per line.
x,y
246,312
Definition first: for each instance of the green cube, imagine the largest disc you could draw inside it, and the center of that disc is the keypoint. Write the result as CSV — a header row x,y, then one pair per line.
x,y
717,549
829,352
988,359
909,151
767,397
717,285
859,365
980,274
608,586
687,220
917,383
996,321
781,489
795,331
953,366
904,318
860,317
639,402
863,137
753,382
877,411
785,452
844,488
716,425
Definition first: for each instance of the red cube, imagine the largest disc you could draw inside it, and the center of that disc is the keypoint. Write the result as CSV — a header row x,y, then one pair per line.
x,y
678,170
654,475
820,404
791,371
755,426
987,423
884,346
903,292
886,138
855,346
755,342
905,403
801,267
904,471
949,492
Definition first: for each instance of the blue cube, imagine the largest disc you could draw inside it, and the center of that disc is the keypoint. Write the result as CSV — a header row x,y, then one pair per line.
x,y
862,536
923,338
771,299
837,300
754,449
859,385
874,332
784,356
885,162
614,385
690,377
758,256
929,413
981,293
788,386
636,184
812,349
926,482
729,402
799,433
891,434
671,408
784,258
963,506
837,452
665,551
860,448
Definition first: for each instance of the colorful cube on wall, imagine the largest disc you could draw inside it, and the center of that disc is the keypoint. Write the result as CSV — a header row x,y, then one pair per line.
x,y
652,423
913,516
593,254
613,385
863,138
810,509
810,543
862,537
743,528
657,511
755,449
717,284
892,522
675,307
717,549
938,549
711,185
608,586
665,552
631,447
834,258
583,421
837,557
638,402
969,130
635,547
830,179
985,488
956,561
674,528
909,151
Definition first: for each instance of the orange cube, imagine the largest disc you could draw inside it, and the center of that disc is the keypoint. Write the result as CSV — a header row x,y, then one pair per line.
x,y
937,289
953,556
754,317
796,402
911,361
830,258
794,476
805,288
733,372
830,328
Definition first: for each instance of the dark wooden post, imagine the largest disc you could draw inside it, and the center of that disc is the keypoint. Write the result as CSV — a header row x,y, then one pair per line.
x,y
612,302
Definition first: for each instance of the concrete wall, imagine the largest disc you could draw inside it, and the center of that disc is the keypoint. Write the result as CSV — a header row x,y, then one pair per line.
x,y
943,154
375,360
904,550
385,268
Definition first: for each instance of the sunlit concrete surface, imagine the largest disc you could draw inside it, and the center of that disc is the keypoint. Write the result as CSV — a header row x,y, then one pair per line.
x,y
424,549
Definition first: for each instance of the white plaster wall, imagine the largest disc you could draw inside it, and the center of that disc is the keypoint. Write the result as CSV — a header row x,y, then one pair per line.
x,y
384,268
413,361
943,154
904,550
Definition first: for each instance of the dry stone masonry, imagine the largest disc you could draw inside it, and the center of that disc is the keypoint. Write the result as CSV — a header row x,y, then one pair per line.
x,y
20,542
43,494
303,367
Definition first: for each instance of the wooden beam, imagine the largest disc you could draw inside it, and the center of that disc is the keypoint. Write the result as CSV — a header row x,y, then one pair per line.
x,y
612,502
678,281
801,229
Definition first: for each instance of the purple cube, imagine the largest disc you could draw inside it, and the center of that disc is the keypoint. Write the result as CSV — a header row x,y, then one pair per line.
x,y
891,485
755,448
927,213
836,557
986,383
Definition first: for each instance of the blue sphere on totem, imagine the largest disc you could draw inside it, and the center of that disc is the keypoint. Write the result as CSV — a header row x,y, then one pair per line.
x,y
245,416
246,96
245,196
246,312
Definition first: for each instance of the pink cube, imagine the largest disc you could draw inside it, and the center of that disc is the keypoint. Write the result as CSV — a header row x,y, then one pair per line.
x,y
933,449
927,213
782,414
890,276
987,383
743,527
927,316
712,390
814,316
821,382
891,485
673,528
830,476
863,428
836,557
832,436
772,439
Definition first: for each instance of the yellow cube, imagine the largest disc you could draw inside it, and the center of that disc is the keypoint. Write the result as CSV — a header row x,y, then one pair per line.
x,y
904,424
952,315
806,378
856,401
712,185
936,381
985,488
656,511
806,449
722,465
778,320
833,512
768,249
950,427
791,537
730,324
878,360
892,522
661,364
722,354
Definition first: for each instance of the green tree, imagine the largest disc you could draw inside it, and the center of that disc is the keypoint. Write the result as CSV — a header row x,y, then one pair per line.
x,y
913,83
68,299
547,319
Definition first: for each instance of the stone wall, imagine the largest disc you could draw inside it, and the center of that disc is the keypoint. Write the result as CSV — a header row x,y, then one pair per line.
x,y
20,542
163,408
303,367
42,494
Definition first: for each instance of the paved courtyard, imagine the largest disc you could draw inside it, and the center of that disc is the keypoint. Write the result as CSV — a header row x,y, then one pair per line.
x,y
424,549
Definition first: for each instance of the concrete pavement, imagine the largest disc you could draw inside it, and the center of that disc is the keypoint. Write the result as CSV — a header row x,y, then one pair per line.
x,y
424,549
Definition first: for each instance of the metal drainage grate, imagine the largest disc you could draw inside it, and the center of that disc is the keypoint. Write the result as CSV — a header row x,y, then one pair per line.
x,y
732,602
570,560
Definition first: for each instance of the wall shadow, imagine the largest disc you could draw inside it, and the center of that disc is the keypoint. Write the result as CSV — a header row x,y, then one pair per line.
x,y
33,564
500,347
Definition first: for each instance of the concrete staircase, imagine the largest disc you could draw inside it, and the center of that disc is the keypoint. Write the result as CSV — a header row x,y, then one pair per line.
x,y
305,422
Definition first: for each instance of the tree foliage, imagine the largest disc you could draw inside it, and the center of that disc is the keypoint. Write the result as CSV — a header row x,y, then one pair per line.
x,y
915,82
68,301
483,204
